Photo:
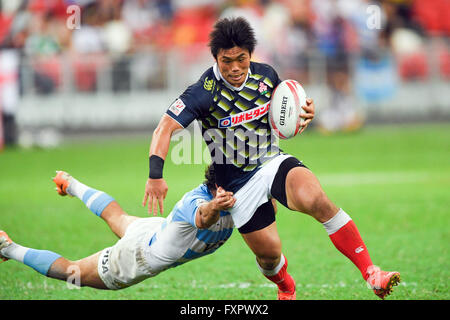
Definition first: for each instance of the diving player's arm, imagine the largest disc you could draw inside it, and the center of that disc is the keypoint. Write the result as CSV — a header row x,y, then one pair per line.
x,y
156,187
208,213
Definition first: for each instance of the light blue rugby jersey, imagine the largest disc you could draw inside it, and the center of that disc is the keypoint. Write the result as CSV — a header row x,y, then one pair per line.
x,y
179,240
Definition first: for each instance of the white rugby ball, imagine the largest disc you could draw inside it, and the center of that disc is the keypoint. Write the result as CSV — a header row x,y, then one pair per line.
x,y
285,109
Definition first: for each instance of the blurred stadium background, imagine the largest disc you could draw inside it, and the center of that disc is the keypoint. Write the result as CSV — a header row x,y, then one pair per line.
x,y
119,64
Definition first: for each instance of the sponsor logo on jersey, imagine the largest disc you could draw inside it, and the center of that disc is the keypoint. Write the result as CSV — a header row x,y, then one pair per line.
x,y
244,117
177,107
209,85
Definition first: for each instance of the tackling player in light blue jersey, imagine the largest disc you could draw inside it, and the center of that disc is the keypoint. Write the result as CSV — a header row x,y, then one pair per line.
x,y
198,225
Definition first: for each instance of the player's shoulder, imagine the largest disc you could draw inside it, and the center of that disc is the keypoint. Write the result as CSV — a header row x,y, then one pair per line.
x,y
199,94
208,74
194,198
186,208
200,192
264,70
206,82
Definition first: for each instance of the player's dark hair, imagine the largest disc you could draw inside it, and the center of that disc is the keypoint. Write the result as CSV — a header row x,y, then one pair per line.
x,y
229,33
210,176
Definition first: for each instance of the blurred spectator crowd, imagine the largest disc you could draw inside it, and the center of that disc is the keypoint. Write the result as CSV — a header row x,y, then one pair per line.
x,y
346,40
288,31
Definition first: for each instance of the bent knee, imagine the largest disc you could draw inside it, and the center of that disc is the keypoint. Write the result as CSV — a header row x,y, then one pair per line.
x,y
314,203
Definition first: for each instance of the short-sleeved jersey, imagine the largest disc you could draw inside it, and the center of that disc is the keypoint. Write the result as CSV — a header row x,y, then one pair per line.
x,y
179,239
234,121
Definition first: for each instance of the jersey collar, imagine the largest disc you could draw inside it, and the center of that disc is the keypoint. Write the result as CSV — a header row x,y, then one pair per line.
x,y
219,77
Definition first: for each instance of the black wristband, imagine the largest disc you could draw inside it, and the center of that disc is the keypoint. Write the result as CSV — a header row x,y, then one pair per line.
x,y
156,165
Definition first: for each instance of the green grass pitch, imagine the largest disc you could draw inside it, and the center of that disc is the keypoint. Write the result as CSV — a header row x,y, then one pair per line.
x,y
394,181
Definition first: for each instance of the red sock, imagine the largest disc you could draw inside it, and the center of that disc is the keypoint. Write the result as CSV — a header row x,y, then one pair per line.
x,y
348,241
282,278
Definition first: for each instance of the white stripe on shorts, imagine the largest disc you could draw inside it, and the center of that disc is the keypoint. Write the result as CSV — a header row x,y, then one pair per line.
x,y
255,192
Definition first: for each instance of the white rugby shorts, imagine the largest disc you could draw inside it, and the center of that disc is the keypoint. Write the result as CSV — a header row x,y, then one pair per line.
x,y
124,264
255,192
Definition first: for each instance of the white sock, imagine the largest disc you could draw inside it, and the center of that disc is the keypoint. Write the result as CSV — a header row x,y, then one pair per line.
x,y
14,251
77,189
273,272
95,200
39,260
338,221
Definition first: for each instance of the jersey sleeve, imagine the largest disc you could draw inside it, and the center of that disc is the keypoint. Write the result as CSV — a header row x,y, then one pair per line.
x,y
192,103
268,71
187,207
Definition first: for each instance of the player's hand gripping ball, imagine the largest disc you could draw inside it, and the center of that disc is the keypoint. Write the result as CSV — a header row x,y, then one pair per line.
x,y
285,109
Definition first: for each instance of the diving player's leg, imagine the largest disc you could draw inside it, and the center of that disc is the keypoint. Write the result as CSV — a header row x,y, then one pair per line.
x,y
117,219
305,194
83,272
100,203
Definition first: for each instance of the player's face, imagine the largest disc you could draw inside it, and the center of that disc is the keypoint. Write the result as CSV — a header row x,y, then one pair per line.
x,y
233,65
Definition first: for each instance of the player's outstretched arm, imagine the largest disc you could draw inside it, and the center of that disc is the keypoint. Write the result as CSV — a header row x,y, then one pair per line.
x,y
209,213
156,187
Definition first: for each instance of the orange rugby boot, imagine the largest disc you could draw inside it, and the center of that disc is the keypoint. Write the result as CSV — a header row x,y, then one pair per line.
x,y
62,181
287,295
382,281
4,242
